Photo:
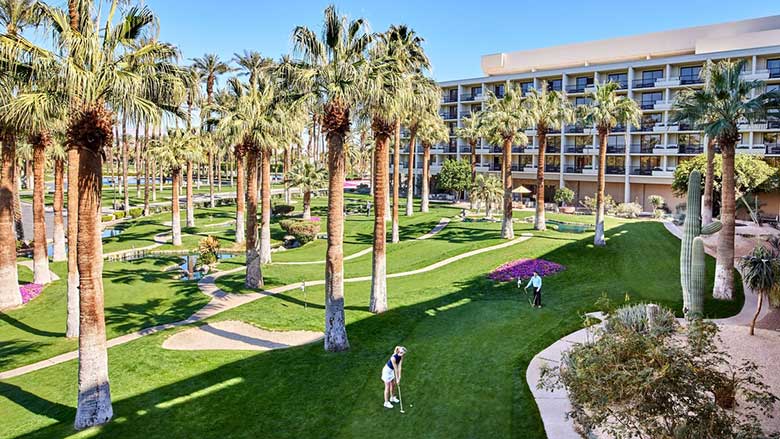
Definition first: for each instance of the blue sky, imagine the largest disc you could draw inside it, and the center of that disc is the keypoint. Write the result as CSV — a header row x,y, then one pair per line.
x,y
457,32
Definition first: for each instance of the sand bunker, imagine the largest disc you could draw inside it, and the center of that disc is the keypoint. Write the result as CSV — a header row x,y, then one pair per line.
x,y
236,335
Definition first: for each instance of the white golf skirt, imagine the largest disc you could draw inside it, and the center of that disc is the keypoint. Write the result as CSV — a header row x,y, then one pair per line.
x,y
388,374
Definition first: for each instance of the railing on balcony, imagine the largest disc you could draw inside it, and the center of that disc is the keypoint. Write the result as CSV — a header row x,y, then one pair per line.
x,y
449,99
687,80
645,126
641,170
643,83
555,130
518,149
684,126
466,149
575,149
616,170
616,149
448,115
552,168
619,129
574,170
495,167
575,129
642,149
773,124
578,88
690,149
465,97
772,148
551,149
646,105
774,72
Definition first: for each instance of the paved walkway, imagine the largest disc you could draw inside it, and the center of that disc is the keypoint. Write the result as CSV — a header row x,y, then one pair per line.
x,y
553,406
29,264
222,301
159,240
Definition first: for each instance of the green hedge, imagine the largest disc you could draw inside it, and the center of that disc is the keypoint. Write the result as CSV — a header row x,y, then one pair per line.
x,y
119,214
303,230
107,218
136,212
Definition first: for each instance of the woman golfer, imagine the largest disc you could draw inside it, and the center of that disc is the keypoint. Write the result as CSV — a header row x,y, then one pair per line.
x,y
391,374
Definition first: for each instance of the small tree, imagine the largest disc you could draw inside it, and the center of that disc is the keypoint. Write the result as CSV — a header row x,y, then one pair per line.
x,y
455,176
759,271
656,201
564,195
751,174
486,190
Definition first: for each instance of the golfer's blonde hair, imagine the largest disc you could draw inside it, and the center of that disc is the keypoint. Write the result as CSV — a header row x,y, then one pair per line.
x,y
399,349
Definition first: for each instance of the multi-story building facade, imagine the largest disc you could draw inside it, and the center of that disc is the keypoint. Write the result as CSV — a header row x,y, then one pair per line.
x,y
651,69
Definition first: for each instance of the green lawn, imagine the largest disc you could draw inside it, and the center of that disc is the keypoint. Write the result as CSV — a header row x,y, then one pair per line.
x,y
470,342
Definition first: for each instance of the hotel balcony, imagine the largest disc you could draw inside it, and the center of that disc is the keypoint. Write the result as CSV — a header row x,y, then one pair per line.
x,y
615,149
468,97
552,149
575,129
754,126
619,129
448,115
573,149
666,127
772,148
663,105
552,168
690,149
483,150
465,149
449,99
577,88
671,82
482,167
760,75
644,83
616,170
757,149
644,149
690,80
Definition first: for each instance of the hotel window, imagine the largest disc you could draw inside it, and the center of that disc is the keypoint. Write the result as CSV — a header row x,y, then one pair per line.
x,y
581,101
649,120
525,86
583,141
453,126
616,141
453,95
554,84
583,81
499,90
773,65
476,108
649,100
650,162
620,78
652,75
648,141
688,139
771,139
583,162
690,75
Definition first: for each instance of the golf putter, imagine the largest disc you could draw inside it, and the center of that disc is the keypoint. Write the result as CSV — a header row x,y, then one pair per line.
x,y
400,398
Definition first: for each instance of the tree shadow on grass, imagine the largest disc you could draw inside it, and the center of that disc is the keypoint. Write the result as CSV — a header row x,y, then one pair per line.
x,y
27,328
12,348
35,404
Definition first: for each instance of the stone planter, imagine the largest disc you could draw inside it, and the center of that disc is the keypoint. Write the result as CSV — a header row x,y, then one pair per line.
x,y
568,209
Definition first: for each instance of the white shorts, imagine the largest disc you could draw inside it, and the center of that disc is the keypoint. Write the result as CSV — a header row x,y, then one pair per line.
x,y
388,374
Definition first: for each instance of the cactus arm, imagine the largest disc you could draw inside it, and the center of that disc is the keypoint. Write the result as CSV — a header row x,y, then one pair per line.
x,y
713,227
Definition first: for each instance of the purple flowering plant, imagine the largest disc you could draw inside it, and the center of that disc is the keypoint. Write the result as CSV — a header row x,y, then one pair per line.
x,y
30,291
524,269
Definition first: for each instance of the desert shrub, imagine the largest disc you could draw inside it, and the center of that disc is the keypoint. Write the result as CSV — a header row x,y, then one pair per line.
x,y
136,212
282,209
590,203
107,218
628,210
119,214
635,317
304,231
621,384
656,201
564,196
208,248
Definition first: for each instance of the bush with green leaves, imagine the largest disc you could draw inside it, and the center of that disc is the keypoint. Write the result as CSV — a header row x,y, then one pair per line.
x,y
136,212
119,214
304,231
282,209
590,203
677,385
107,218
627,210
656,201
564,195
635,317
454,176
208,248
751,173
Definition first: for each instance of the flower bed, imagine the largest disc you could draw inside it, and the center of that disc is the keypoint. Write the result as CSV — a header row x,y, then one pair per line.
x,y
524,268
30,291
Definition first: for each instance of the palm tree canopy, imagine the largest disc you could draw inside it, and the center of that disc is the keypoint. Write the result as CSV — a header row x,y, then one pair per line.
x,y
422,98
432,130
470,130
724,101
307,176
487,189
252,64
548,108
404,45
759,269
607,109
505,118
174,150
15,15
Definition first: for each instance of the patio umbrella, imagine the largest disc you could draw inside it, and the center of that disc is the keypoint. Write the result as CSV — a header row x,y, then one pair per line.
x,y
521,190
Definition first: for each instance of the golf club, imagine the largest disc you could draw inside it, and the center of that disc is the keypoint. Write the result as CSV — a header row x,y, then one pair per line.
x,y
400,398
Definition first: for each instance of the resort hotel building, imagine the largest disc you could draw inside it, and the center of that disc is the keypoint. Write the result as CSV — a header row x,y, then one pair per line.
x,y
651,69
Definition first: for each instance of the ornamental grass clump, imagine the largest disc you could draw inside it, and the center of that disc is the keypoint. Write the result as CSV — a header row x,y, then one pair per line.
x,y
525,268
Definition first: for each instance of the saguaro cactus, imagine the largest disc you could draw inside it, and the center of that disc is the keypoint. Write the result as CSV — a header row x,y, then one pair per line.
x,y
692,259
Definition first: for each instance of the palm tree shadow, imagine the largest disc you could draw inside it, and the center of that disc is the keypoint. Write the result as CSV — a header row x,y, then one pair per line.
x,y
27,328
10,349
36,404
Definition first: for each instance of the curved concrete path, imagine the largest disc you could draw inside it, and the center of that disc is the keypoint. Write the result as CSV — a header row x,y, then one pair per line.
x,y
222,301
29,264
159,240
553,406
436,229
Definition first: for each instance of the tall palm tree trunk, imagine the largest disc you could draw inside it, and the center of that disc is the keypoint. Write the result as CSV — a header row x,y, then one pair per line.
x,y
18,223
146,188
473,146
286,165
9,278
200,167
265,214
410,175
40,258
378,300
175,207
125,158
137,160
59,221
211,179
72,327
426,175
598,238
706,200
154,180
190,207
94,397
507,228
539,220
219,172
335,325
254,273
396,179
724,265
307,204
240,198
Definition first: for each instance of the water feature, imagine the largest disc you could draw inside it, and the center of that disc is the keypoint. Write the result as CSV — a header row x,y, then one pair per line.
x,y
109,232
190,262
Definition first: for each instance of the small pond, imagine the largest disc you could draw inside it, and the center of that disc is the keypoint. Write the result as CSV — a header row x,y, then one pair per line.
x,y
106,233
189,263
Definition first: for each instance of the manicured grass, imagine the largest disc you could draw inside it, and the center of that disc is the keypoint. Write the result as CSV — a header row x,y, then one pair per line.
x,y
470,342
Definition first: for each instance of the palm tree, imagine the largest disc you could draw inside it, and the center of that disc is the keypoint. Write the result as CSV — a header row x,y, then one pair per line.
x,y
718,109
605,111
209,67
503,121
759,272
421,100
486,190
93,80
173,153
547,109
308,177
193,97
470,132
58,156
41,273
239,152
15,15
404,46
431,131
330,69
